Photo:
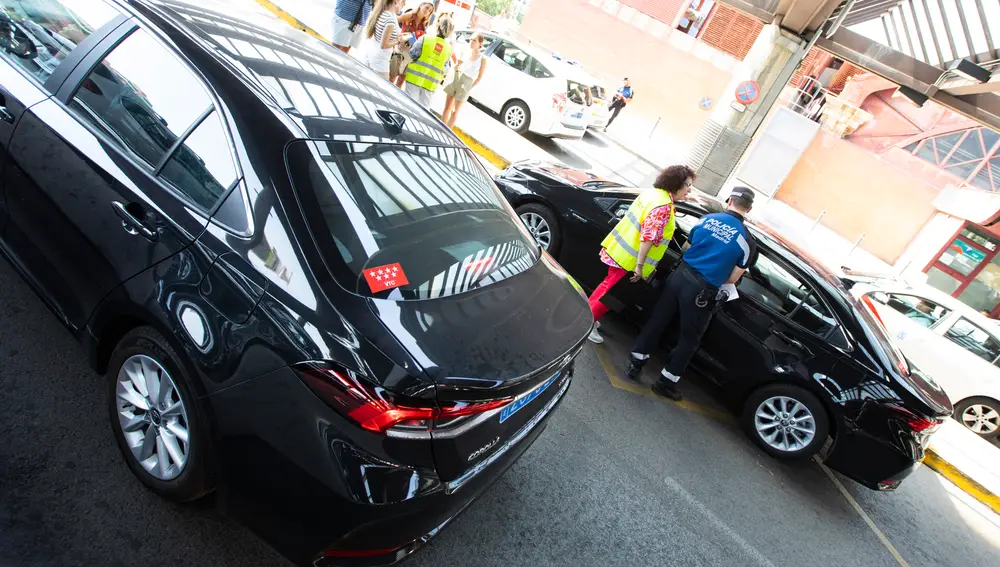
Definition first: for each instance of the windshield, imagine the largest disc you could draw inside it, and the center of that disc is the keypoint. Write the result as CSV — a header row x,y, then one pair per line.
x,y
407,221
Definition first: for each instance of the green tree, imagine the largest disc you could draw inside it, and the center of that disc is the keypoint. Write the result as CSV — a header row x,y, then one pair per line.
x,y
495,7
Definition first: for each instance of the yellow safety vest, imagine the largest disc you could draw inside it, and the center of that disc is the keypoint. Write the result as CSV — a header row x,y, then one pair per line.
x,y
427,71
622,244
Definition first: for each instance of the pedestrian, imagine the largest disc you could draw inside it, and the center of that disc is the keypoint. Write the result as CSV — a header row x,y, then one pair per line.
x,y
721,249
349,17
621,98
640,238
468,73
382,31
414,23
429,54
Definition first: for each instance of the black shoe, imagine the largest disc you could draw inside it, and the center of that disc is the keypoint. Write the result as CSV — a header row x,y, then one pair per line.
x,y
668,389
634,369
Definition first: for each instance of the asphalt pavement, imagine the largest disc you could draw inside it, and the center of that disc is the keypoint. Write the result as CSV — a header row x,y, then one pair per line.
x,y
618,478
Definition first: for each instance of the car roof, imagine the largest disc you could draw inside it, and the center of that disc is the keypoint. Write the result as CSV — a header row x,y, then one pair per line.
x,y
325,92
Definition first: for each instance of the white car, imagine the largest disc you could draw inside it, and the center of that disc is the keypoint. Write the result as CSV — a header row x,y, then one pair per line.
x,y
530,90
958,347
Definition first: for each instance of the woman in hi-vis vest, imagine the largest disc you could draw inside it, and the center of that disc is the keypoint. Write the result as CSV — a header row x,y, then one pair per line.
x,y
638,242
430,55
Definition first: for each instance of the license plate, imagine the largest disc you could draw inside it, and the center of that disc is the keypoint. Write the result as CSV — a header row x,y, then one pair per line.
x,y
516,405
577,115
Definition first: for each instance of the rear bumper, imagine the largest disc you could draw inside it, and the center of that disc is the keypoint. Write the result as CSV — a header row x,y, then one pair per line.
x,y
552,126
875,463
320,499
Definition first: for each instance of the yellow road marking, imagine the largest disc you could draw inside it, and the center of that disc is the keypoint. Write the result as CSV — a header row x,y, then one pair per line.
x,y
474,144
630,386
963,482
857,508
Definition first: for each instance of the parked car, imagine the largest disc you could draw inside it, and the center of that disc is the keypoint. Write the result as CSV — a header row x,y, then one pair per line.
x,y
950,341
531,91
811,366
276,258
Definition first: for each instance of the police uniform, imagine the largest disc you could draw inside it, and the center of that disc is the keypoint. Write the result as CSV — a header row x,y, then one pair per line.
x,y
719,243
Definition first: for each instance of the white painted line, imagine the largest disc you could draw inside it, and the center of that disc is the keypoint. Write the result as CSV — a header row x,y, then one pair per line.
x,y
720,526
857,508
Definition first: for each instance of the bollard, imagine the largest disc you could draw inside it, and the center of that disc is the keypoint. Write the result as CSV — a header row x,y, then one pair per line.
x,y
651,132
815,224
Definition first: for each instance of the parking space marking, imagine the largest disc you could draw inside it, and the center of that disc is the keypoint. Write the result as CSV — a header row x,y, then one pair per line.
x,y
864,516
719,525
630,386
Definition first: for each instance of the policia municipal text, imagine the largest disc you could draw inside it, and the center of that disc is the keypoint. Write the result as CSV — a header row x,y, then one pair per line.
x,y
720,250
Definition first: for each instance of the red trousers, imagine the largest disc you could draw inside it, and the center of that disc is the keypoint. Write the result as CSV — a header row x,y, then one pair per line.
x,y
615,274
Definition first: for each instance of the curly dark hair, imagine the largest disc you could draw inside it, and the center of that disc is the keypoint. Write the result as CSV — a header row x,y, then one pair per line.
x,y
672,178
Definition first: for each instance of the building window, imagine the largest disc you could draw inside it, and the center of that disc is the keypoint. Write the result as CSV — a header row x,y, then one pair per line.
x,y
968,268
970,155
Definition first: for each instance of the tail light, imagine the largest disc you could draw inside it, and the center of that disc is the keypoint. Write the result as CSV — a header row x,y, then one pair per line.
x,y
918,423
559,101
376,409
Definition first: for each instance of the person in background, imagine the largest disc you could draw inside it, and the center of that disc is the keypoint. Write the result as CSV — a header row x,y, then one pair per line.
x,y
622,97
430,54
721,249
640,238
349,17
414,23
382,30
469,72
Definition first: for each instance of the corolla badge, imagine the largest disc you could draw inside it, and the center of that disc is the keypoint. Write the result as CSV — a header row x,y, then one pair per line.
x,y
483,449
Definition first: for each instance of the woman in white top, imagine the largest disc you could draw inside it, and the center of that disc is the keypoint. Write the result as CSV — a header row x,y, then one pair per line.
x,y
469,72
383,32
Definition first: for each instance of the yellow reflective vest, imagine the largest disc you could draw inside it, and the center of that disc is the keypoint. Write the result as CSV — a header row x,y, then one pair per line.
x,y
427,71
622,244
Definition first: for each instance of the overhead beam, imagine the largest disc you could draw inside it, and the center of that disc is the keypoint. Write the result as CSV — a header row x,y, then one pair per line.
x,y
963,88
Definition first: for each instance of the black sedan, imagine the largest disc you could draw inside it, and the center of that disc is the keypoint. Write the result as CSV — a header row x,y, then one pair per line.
x,y
812,369
303,289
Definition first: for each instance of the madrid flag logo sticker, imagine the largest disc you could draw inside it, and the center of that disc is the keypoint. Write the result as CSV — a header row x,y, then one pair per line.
x,y
381,278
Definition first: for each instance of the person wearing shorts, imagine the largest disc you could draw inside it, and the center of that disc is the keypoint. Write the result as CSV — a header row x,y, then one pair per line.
x,y
468,73
382,33
349,19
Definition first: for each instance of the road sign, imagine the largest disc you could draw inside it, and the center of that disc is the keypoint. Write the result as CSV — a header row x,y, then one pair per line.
x,y
747,92
705,103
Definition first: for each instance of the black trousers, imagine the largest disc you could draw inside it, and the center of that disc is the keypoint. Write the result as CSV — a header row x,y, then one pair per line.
x,y
679,298
615,107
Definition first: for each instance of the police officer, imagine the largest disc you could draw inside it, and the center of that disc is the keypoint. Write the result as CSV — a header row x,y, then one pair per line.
x,y
721,249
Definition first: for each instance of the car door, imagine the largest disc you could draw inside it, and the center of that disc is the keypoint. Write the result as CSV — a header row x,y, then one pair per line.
x,y
506,76
118,171
778,325
34,58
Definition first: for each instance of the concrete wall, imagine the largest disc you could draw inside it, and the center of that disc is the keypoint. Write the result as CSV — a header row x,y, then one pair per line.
x,y
670,71
869,196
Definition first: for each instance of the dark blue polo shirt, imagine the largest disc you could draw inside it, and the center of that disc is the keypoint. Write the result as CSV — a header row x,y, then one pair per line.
x,y
719,243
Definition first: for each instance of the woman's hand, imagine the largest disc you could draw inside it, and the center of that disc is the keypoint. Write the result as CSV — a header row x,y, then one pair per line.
x,y
636,274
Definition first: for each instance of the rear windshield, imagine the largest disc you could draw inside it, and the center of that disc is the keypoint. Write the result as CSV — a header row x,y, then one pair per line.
x,y
426,221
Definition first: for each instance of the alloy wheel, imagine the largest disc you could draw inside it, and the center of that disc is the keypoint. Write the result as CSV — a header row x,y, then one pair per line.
x,y
514,117
538,228
152,416
785,423
981,419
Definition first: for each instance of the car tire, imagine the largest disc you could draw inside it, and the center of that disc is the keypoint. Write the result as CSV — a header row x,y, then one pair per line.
x,y
155,418
762,417
979,414
542,225
516,116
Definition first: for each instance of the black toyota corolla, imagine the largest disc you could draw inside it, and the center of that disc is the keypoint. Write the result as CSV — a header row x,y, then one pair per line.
x,y
303,289
811,369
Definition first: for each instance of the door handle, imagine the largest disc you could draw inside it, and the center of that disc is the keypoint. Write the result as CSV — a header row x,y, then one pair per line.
x,y
788,338
6,115
131,223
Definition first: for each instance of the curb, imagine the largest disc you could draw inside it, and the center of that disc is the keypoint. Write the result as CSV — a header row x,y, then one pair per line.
x,y
475,145
965,483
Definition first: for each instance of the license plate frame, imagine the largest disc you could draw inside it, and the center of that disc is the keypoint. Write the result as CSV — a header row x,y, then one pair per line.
x,y
520,403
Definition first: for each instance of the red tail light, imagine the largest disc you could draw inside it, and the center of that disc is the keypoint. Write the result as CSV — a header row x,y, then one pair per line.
x,y
917,423
373,408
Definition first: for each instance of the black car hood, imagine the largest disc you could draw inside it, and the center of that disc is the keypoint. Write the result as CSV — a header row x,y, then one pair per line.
x,y
496,335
